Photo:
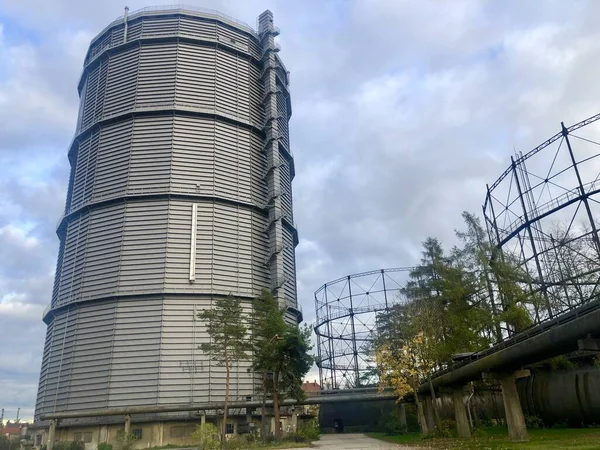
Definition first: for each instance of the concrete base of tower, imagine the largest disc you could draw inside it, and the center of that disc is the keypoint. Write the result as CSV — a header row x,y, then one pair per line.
x,y
153,433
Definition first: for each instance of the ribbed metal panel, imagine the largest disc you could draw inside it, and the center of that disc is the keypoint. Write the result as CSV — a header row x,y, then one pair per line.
x,y
176,74
180,191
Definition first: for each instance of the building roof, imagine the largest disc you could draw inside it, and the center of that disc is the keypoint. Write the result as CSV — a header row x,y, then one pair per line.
x,y
11,430
308,386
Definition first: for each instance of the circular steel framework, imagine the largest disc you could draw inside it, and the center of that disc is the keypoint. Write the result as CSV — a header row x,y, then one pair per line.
x,y
346,311
544,211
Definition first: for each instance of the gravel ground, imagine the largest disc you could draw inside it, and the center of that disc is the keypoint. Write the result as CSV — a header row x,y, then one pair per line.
x,y
353,442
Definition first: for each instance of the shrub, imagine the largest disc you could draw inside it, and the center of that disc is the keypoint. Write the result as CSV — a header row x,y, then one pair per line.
x,y
297,437
6,443
105,446
238,443
207,437
309,431
533,422
69,445
251,438
394,428
268,439
124,442
444,431
448,424
479,432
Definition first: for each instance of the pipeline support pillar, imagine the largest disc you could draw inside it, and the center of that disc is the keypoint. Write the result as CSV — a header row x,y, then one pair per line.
x,y
402,414
429,413
463,429
294,420
248,417
51,435
127,426
517,430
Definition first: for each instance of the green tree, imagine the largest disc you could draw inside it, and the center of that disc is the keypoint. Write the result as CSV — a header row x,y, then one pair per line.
x,y
279,349
295,362
268,327
426,307
476,255
226,326
454,302
510,280
444,303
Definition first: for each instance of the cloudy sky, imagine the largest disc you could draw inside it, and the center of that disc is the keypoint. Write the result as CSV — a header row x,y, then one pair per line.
x,y
403,111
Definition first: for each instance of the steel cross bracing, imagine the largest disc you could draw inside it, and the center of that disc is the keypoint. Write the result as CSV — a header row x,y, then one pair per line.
x,y
346,311
544,212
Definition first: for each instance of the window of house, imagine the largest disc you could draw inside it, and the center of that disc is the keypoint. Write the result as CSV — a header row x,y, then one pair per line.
x,y
77,437
136,433
229,428
38,440
87,437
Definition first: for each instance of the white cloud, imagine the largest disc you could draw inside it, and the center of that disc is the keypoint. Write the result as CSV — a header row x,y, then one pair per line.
x,y
18,236
31,110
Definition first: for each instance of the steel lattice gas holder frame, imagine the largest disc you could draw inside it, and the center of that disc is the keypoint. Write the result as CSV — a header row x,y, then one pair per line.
x,y
544,210
346,311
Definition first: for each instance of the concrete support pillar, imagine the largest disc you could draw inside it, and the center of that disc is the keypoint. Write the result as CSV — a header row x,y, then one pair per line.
x,y
203,418
103,434
460,414
402,415
429,413
294,420
160,433
517,431
515,420
51,435
127,425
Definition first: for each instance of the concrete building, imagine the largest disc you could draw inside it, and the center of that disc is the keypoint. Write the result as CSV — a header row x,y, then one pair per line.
x,y
180,192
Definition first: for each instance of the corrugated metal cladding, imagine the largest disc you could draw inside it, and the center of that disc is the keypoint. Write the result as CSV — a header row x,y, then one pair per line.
x,y
180,192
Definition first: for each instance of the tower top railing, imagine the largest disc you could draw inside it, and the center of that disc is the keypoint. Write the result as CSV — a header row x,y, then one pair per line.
x,y
173,9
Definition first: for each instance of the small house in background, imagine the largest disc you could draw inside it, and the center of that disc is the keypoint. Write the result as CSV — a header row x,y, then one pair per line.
x,y
12,430
311,389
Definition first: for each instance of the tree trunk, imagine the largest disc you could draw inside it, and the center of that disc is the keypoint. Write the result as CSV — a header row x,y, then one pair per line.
x,y
224,430
276,404
263,411
488,285
436,413
421,415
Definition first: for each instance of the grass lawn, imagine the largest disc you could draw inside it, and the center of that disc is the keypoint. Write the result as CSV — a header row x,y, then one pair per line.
x,y
496,438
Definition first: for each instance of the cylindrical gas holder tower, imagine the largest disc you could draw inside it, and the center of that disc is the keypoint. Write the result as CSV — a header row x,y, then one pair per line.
x,y
179,193
346,311
544,213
